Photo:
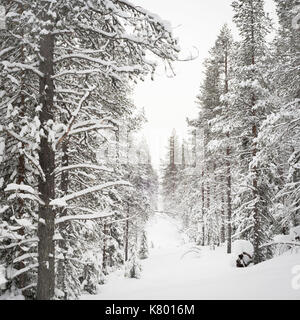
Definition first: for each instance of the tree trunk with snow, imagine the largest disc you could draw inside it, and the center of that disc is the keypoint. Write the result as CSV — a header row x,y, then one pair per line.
x,y
46,272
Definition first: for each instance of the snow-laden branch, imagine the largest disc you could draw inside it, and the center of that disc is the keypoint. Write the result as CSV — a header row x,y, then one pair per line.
x,y
12,245
91,216
107,64
82,166
36,164
19,187
99,31
68,91
62,202
293,243
154,17
25,256
4,51
115,36
77,72
94,127
34,284
27,196
94,124
15,135
74,115
19,272
27,192
22,66
121,220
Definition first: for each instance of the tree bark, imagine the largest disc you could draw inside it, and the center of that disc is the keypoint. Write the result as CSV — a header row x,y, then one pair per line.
x,y
46,272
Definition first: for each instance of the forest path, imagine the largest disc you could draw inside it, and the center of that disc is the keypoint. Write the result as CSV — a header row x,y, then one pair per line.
x,y
167,274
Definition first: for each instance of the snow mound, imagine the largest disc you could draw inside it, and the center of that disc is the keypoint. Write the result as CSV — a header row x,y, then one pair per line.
x,y
240,246
282,238
192,252
295,233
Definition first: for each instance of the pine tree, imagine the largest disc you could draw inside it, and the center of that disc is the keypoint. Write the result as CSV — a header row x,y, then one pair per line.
x,y
133,267
253,26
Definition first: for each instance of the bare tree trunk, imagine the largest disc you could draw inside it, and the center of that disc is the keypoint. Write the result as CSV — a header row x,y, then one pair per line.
x,y
222,232
228,222
216,212
209,223
257,224
117,135
195,148
172,163
126,233
203,206
183,156
46,250
296,178
104,256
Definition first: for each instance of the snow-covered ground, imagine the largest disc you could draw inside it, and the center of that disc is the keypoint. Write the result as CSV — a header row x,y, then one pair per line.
x,y
169,273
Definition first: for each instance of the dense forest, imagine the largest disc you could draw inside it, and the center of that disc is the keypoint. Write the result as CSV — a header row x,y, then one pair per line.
x,y
76,180
240,169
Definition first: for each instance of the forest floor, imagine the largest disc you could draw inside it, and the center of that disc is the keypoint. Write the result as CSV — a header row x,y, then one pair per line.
x,y
171,273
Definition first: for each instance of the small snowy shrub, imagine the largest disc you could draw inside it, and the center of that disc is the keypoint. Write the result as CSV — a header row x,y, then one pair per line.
x,y
89,283
133,267
92,273
144,251
102,278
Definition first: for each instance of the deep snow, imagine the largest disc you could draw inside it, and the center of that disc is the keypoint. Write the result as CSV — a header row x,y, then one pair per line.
x,y
169,273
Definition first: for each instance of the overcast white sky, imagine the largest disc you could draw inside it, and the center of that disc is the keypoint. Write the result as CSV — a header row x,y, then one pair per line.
x,y
168,101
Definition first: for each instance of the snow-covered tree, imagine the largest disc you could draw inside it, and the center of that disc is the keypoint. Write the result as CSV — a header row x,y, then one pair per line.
x,y
144,251
76,51
248,101
133,267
